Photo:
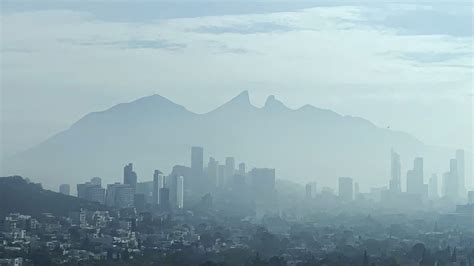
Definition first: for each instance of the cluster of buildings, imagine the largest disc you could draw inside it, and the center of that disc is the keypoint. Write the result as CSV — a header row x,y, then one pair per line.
x,y
255,189
89,237
177,214
83,236
417,193
453,181
184,185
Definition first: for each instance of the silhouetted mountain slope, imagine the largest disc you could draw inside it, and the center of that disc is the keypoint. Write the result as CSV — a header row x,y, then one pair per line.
x,y
19,195
308,143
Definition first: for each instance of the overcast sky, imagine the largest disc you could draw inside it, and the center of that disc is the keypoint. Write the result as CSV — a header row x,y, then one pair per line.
x,y
404,65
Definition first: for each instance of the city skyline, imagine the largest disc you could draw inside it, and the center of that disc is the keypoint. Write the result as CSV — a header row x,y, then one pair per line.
x,y
202,180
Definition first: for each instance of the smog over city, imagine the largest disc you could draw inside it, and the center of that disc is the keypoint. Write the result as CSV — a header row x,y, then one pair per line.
x,y
236,132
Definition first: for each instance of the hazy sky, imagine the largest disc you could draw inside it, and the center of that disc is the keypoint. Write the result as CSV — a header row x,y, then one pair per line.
x,y
404,65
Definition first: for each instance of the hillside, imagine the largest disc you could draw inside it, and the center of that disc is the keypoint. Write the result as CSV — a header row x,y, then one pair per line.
x,y
19,195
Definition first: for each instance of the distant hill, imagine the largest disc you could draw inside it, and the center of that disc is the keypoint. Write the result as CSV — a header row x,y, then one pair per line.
x,y
19,195
303,144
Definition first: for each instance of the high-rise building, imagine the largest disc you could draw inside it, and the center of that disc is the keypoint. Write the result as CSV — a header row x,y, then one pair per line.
x,y
139,202
129,176
110,194
461,172
119,195
415,178
165,198
172,183
451,183
145,188
221,176
186,172
470,197
65,189
346,189
197,165
96,194
433,187
229,170
395,184
263,191
418,165
242,169
158,182
356,190
180,192
419,175
91,191
96,181
445,187
212,171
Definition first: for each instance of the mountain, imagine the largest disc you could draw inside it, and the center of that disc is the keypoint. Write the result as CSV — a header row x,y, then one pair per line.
x,y
22,196
303,144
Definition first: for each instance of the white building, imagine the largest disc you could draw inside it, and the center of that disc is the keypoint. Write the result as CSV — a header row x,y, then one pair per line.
x,y
180,192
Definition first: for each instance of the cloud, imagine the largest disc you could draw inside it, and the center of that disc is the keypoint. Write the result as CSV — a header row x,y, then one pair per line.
x,y
424,57
252,28
132,44
425,18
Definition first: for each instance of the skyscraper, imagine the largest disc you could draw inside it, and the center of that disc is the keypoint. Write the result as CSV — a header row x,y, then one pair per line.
x,y
395,184
356,190
197,162
186,172
96,181
129,176
172,186
158,182
212,171
229,170
91,191
242,169
415,178
96,194
65,189
180,192
451,181
461,172
221,176
263,190
346,189
470,197
139,201
433,187
119,195
165,198
419,174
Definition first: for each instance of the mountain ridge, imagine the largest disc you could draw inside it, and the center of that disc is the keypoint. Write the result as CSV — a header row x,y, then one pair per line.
x,y
156,133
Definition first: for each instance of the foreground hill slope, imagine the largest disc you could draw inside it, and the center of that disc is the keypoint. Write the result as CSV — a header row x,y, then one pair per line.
x,y
22,196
